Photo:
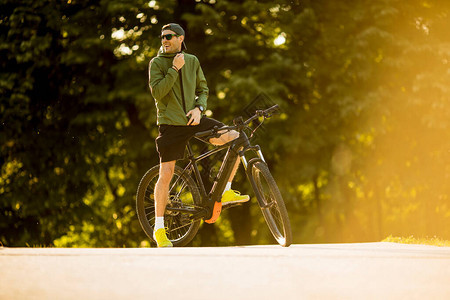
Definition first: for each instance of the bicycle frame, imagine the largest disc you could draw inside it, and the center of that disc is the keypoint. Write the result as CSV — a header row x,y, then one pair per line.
x,y
236,149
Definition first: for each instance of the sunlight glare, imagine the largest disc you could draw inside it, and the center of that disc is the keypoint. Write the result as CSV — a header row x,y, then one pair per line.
x,y
118,34
280,40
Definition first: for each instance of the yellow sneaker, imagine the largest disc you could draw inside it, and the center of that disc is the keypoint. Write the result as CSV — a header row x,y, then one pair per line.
x,y
161,238
231,197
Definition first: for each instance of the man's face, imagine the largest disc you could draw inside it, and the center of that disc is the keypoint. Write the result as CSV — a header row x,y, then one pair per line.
x,y
174,44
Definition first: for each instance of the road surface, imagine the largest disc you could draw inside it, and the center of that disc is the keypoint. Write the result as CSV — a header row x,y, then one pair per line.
x,y
321,271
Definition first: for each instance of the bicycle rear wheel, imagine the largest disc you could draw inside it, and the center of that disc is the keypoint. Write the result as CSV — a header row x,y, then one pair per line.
x,y
183,193
274,209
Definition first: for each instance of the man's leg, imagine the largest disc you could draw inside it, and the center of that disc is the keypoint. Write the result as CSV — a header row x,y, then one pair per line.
x,y
235,168
162,186
230,196
166,170
223,139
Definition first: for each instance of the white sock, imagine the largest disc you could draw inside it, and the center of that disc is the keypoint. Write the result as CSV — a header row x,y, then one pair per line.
x,y
227,187
159,223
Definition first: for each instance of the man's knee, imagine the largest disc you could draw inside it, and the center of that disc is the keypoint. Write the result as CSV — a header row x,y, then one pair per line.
x,y
166,170
225,138
232,135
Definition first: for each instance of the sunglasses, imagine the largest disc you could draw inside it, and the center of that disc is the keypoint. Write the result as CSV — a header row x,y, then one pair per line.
x,y
169,36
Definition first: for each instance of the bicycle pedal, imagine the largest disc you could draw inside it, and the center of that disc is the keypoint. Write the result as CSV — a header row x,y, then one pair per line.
x,y
217,209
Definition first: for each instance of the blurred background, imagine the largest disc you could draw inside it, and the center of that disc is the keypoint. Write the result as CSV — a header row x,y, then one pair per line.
x,y
361,150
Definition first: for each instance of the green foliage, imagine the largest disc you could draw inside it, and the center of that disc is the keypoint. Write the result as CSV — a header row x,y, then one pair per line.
x,y
360,150
66,164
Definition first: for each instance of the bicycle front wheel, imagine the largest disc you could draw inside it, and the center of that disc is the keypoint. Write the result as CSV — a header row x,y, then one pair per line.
x,y
183,193
273,208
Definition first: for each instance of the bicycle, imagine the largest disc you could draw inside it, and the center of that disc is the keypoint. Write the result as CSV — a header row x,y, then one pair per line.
x,y
189,203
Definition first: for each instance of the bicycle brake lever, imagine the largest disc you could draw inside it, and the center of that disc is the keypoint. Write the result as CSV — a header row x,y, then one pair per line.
x,y
215,132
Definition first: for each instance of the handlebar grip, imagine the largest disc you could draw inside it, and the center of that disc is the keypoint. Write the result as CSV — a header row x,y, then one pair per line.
x,y
203,133
207,132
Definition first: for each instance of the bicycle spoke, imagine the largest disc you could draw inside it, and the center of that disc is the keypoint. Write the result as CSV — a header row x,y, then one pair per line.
x,y
181,189
150,216
180,224
174,184
176,230
151,220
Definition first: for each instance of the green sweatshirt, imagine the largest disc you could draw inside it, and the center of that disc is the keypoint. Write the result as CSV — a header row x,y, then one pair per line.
x,y
165,86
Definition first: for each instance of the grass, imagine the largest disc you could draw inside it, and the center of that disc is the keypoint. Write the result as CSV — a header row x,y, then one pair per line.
x,y
434,241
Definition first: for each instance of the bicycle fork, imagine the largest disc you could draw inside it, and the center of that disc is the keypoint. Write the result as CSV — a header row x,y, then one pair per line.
x,y
248,166
257,150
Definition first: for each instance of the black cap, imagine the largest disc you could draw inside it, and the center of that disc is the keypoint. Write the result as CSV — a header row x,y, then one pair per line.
x,y
177,29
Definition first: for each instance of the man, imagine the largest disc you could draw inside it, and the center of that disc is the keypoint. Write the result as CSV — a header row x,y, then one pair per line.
x,y
179,87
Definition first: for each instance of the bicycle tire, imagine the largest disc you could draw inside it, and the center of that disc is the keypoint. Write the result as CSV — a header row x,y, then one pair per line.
x,y
183,193
274,209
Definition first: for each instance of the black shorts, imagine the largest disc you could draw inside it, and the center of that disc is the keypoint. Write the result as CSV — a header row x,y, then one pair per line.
x,y
171,141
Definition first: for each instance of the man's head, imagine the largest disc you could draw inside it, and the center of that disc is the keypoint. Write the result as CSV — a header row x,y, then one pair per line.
x,y
172,38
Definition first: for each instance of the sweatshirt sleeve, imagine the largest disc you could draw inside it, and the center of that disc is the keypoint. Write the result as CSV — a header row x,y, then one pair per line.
x,y
159,84
201,89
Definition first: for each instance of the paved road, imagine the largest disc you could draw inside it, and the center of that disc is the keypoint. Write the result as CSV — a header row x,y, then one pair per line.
x,y
323,271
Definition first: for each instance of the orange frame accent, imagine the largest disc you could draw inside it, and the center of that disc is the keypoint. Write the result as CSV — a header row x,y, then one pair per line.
x,y
216,213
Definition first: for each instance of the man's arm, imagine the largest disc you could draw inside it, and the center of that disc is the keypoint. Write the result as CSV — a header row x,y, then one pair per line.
x,y
160,85
201,88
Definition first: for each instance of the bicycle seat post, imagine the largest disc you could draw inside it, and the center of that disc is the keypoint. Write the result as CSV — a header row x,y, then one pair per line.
x,y
189,149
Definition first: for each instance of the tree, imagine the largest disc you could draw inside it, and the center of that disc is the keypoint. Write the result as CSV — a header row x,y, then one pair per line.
x,y
360,149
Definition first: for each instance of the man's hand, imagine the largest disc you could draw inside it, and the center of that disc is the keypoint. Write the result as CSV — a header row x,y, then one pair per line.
x,y
196,115
178,61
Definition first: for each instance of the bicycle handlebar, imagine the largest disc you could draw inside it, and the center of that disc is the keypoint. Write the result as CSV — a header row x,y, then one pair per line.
x,y
267,113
